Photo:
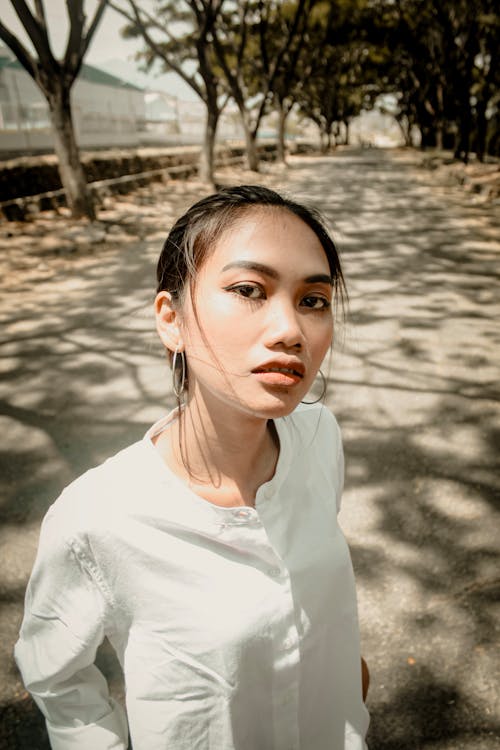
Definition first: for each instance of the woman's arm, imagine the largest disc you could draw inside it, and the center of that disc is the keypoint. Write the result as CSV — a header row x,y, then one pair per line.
x,y
64,623
365,678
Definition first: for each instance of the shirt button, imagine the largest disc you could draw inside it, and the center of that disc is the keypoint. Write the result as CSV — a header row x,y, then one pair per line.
x,y
242,513
274,572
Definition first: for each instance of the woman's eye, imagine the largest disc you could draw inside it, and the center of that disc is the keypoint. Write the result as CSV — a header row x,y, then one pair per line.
x,y
249,291
316,303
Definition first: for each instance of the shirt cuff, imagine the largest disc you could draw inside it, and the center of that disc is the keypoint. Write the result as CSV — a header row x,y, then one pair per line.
x,y
109,733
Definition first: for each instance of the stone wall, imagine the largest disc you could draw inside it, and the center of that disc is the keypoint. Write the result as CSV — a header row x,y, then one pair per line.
x,y
30,184
39,174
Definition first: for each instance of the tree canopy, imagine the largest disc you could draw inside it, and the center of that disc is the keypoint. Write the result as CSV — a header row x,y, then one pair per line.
x,y
328,59
443,69
437,63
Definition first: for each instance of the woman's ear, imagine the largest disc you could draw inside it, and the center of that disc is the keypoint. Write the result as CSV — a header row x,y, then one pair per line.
x,y
168,322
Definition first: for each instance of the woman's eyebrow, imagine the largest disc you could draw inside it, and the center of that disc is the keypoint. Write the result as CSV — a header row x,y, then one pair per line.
x,y
250,265
319,278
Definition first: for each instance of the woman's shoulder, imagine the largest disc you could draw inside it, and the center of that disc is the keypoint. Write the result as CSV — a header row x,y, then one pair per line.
x,y
314,419
318,444
97,495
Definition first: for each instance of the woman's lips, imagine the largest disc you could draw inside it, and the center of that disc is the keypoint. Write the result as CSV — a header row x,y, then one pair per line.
x,y
283,376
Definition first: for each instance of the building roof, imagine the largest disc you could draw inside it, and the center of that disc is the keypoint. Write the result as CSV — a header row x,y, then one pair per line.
x,y
96,75
87,73
4,61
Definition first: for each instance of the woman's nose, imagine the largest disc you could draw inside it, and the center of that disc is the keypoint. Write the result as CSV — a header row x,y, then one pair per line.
x,y
284,327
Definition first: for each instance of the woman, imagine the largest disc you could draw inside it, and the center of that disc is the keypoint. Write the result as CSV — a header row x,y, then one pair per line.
x,y
209,552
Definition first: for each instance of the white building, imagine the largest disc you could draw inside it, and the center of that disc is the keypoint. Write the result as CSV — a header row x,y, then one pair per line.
x,y
107,112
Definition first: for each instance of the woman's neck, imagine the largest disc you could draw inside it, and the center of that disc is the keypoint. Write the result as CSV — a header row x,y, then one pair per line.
x,y
223,460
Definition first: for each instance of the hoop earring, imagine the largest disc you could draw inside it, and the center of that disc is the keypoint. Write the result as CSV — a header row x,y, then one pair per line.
x,y
178,387
323,392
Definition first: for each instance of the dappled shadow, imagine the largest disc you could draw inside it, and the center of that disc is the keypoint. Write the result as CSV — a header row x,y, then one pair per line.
x,y
22,726
414,384
82,376
428,712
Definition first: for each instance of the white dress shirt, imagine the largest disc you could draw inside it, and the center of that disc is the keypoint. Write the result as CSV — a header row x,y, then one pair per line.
x,y
236,627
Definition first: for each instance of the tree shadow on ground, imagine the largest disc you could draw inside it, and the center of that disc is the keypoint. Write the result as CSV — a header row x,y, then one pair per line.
x,y
83,376
415,388
22,726
443,716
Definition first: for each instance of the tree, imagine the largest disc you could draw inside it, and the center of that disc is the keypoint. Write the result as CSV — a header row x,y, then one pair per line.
x,y
288,77
473,31
177,33
443,68
249,50
486,87
55,79
338,71
415,69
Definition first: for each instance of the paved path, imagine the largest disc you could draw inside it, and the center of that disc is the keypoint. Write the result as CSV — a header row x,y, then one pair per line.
x,y
414,383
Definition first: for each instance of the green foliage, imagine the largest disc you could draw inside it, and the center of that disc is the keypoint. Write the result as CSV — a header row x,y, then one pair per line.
x,y
443,67
257,44
338,70
177,35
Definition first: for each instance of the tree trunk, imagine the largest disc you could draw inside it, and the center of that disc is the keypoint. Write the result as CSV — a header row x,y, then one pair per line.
x,y
280,144
464,111
440,117
328,139
323,139
346,132
206,163
481,129
406,125
71,171
251,147
464,128
439,136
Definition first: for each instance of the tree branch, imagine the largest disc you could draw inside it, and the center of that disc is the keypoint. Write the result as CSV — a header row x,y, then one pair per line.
x,y
40,13
20,51
38,35
273,71
232,78
243,34
73,55
169,62
299,11
263,26
93,26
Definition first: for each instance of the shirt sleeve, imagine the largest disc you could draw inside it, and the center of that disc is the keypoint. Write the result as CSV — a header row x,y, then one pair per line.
x,y
64,622
340,467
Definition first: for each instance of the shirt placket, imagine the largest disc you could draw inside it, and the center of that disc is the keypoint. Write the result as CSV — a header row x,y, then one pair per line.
x,y
285,692
286,674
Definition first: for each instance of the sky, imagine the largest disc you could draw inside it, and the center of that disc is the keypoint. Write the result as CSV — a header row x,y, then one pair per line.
x,y
108,50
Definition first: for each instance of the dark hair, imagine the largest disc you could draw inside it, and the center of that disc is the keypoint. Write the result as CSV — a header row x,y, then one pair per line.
x,y
196,232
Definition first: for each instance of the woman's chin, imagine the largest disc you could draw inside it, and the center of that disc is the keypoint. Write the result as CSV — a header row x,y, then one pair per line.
x,y
277,404
269,403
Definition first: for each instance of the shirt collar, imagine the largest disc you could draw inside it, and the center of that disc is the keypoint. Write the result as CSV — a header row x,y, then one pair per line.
x,y
265,492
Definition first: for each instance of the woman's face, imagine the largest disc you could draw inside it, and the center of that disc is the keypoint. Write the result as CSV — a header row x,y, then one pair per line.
x,y
258,323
